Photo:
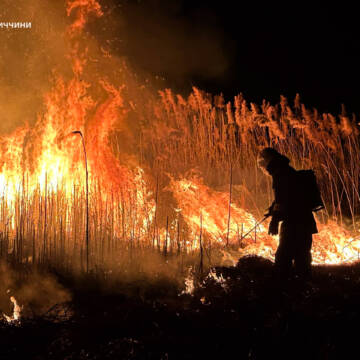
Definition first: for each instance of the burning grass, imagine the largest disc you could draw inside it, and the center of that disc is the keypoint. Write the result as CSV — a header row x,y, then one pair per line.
x,y
239,310
172,188
165,173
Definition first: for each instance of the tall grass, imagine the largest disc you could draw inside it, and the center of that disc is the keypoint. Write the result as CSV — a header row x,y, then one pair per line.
x,y
201,133
205,133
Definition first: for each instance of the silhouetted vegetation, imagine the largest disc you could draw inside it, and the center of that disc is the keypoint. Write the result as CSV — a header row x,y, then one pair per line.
x,y
251,315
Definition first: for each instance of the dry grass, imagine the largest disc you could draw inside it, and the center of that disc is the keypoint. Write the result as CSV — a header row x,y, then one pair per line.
x,y
177,136
205,133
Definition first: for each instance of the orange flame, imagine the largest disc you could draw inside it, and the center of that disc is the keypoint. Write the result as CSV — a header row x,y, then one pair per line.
x,y
42,180
15,317
206,210
83,9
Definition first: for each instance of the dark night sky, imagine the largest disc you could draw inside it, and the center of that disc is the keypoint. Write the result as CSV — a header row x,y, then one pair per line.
x,y
260,50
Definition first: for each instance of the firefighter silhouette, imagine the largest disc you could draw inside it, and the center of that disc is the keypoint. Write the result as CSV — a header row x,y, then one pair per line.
x,y
296,197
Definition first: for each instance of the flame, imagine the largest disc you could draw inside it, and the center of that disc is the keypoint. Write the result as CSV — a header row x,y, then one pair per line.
x,y
206,210
15,317
43,188
43,167
334,245
189,283
219,279
82,9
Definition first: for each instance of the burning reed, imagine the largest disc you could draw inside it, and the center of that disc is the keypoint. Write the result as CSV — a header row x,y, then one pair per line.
x,y
158,169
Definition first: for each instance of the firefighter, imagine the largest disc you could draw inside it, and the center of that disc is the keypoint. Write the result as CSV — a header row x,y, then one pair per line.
x,y
289,207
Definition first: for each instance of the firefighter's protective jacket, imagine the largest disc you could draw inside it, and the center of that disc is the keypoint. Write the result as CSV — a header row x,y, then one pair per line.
x,y
289,203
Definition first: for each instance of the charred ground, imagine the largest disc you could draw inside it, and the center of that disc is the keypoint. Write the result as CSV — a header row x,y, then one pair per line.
x,y
250,316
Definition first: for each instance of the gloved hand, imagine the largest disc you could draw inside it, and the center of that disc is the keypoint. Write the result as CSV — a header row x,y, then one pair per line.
x,y
270,210
267,214
273,227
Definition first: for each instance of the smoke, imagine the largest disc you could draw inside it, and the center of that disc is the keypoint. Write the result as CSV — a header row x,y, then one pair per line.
x,y
28,57
156,39
170,39
32,58
36,293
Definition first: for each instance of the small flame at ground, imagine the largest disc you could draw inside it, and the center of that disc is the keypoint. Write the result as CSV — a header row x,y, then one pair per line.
x,y
219,279
15,317
189,283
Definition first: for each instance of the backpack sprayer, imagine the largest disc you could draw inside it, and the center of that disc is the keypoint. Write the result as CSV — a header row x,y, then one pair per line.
x,y
308,192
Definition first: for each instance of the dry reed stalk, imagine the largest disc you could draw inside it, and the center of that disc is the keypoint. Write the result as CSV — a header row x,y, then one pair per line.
x,y
201,245
49,227
229,211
